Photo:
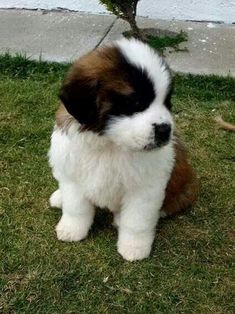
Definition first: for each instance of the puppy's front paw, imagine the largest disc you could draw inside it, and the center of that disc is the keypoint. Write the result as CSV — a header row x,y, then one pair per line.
x,y
70,229
56,199
134,249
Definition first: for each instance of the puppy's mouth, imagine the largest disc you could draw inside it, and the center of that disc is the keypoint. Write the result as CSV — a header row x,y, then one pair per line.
x,y
154,146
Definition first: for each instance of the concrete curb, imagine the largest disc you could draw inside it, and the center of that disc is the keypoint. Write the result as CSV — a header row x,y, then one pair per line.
x,y
64,36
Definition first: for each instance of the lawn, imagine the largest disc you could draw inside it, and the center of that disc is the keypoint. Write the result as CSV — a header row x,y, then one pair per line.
x,y
191,266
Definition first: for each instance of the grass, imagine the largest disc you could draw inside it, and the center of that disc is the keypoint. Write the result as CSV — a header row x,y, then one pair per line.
x,y
161,39
191,267
160,43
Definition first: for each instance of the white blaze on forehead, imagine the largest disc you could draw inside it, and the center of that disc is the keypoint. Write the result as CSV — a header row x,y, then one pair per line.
x,y
143,56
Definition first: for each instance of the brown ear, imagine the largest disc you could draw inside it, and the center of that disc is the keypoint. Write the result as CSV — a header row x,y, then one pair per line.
x,y
79,98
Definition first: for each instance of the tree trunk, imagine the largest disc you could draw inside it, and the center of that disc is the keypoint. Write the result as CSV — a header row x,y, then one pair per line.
x,y
135,29
130,17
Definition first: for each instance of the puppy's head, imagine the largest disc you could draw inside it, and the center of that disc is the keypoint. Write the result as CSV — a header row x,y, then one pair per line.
x,y
122,92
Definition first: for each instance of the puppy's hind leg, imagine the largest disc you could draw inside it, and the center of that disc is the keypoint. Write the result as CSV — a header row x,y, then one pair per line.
x,y
55,199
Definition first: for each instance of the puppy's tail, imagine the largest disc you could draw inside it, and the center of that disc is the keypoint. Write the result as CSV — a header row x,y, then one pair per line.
x,y
224,125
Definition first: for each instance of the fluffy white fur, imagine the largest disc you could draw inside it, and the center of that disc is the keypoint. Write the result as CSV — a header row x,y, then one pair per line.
x,y
136,132
142,55
114,171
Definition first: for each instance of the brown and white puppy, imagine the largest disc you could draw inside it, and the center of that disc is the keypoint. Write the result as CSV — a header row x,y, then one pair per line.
x,y
114,147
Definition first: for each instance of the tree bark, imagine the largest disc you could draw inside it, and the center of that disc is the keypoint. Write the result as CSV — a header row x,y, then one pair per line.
x,y
135,29
130,15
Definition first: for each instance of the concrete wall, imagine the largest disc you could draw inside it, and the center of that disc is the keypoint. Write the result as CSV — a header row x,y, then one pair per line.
x,y
209,10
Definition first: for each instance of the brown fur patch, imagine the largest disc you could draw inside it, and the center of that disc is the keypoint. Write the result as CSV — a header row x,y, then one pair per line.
x,y
102,64
85,92
182,188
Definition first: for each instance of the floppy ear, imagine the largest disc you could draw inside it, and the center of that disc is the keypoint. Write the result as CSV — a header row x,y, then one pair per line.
x,y
79,98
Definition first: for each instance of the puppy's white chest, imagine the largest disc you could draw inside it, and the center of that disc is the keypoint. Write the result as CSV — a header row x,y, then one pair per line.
x,y
98,173
100,178
105,174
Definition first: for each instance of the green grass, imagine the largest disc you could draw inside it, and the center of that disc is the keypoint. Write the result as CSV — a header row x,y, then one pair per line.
x,y
163,40
191,266
160,43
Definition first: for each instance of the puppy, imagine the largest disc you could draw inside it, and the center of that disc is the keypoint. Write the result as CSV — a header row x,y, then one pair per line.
x,y
113,146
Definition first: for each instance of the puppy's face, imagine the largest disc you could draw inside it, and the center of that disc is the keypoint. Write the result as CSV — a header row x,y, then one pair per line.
x,y
122,93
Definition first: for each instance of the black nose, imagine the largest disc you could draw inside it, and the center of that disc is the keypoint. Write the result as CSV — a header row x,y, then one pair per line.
x,y
162,132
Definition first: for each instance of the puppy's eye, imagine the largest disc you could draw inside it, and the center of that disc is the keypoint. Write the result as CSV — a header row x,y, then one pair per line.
x,y
137,103
133,101
125,104
168,104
